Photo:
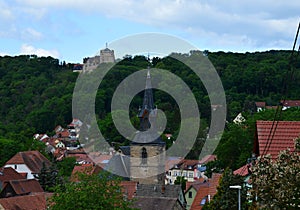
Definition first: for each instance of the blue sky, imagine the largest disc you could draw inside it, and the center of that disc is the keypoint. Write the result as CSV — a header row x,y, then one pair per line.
x,y
73,29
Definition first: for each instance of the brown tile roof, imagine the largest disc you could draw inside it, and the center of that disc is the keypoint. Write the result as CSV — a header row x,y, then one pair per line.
x,y
30,202
33,159
202,193
9,173
282,137
24,186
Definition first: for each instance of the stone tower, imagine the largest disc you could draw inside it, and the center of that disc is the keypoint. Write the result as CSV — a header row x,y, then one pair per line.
x,y
147,161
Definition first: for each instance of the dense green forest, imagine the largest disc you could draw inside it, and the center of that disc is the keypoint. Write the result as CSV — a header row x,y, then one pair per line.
x,y
36,95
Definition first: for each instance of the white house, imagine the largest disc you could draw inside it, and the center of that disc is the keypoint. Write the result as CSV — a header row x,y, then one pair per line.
x,y
28,163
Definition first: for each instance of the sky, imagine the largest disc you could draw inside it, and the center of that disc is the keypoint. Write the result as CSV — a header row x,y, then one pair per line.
x,y
73,29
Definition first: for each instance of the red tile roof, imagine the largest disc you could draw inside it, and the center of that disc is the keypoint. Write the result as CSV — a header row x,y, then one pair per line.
x,y
260,104
23,186
32,159
208,158
32,202
291,103
202,193
129,188
242,171
214,183
7,174
187,164
84,168
282,137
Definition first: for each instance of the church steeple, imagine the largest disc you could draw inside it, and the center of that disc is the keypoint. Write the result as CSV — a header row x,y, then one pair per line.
x,y
147,109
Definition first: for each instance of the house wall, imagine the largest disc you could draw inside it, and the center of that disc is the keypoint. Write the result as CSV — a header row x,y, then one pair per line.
x,y
189,200
175,172
21,168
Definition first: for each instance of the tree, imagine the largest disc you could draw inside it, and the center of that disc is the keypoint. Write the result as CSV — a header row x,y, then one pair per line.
x,y
182,181
100,191
226,198
276,183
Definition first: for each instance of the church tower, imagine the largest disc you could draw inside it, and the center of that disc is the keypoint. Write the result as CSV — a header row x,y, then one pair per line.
x,y
147,162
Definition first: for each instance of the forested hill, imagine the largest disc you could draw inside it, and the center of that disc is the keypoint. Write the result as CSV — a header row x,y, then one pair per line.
x,y
36,92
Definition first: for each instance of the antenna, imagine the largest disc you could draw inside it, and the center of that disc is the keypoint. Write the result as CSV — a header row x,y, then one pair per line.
x,y
106,45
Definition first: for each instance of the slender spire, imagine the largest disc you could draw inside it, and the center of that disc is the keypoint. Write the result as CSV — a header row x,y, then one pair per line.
x,y
148,104
148,95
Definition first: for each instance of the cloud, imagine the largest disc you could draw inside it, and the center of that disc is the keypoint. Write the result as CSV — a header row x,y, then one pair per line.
x,y
30,50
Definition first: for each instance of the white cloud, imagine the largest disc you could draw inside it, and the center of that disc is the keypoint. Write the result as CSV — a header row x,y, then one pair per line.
x,y
30,50
251,23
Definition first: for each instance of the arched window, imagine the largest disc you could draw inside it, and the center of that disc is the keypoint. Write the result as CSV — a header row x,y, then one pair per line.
x,y
144,155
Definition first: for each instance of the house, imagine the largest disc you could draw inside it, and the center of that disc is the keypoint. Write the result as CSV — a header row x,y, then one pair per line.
x,y
239,119
286,104
273,137
191,191
185,168
201,197
36,201
260,106
7,174
20,187
28,162
190,169
201,191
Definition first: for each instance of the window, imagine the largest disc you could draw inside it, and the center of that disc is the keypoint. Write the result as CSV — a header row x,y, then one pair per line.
x,y
184,173
16,166
190,194
144,155
191,174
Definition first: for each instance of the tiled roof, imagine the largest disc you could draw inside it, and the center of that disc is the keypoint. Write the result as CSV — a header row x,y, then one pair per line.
x,y
129,188
24,186
84,168
213,184
260,104
242,171
32,202
291,103
202,193
171,161
196,184
155,190
187,164
9,173
208,158
149,203
33,159
282,138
